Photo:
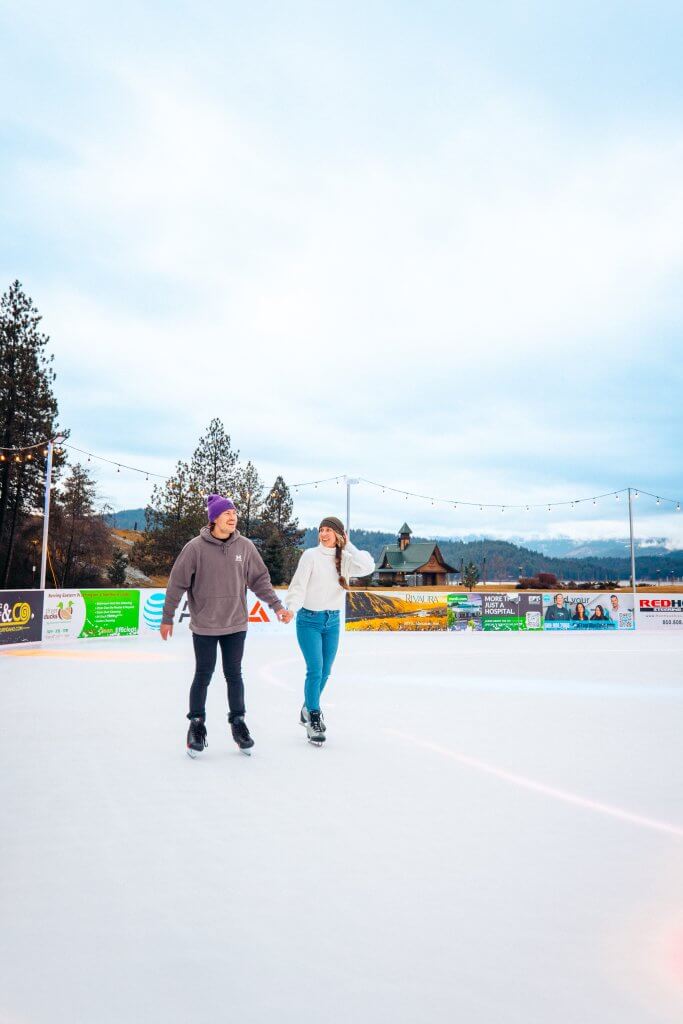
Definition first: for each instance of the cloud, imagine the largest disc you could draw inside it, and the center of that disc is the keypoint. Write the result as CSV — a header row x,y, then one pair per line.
x,y
464,303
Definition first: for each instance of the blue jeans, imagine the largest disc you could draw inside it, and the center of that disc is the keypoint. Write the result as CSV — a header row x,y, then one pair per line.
x,y
318,636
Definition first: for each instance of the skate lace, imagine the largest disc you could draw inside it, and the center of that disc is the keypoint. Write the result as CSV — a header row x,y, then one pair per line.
x,y
315,722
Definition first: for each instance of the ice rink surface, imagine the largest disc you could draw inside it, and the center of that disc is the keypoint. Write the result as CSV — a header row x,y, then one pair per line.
x,y
493,834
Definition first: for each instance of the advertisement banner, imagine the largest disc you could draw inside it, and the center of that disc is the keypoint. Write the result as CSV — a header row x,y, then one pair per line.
x,y
465,612
490,611
21,616
515,610
395,610
660,612
152,606
572,610
74,614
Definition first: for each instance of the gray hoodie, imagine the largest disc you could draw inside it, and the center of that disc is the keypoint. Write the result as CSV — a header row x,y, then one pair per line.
x,y
216,575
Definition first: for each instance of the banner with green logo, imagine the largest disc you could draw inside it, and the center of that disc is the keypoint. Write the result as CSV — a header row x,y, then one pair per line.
x,y
72,614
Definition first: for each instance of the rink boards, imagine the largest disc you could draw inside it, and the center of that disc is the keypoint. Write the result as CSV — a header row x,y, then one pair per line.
x,y
28,616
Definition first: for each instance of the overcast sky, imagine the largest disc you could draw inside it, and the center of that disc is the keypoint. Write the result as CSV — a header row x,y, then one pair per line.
x,y
436,245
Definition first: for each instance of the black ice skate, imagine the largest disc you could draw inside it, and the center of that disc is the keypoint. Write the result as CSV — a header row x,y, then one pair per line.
x,y
240,734
196,737
314,729
305,717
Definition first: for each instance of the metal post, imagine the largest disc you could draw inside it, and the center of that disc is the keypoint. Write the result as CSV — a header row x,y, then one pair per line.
x,y
46,515
349,480
633,555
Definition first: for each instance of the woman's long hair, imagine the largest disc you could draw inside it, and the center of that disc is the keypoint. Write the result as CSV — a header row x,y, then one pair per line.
x,y
338,548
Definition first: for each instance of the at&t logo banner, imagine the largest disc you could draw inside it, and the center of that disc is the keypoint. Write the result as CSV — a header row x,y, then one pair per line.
x,y
152,606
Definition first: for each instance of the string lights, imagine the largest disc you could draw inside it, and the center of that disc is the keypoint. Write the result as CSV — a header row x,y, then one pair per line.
x,y
456,503
29,454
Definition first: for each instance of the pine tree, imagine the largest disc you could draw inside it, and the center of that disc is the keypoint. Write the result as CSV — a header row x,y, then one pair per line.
x,y
214,468
279,533
116,570
175,514
470,576
248,497
28,414
80,541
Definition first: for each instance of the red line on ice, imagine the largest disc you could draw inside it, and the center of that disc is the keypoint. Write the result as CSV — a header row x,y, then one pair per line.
x,y
540,787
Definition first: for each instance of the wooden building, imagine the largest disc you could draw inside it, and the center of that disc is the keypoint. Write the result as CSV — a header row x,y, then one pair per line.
x,y
412,564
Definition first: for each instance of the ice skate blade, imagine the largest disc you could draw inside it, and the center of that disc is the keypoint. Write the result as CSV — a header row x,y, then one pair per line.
x,y
242,750
316,743
194,754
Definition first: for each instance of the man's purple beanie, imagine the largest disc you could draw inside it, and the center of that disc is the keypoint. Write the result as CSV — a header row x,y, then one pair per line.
x,y
216,504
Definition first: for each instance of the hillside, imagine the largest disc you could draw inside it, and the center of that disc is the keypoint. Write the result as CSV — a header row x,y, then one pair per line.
x,y
505,559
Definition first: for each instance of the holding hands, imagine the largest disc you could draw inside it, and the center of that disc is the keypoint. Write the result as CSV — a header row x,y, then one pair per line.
x,y
284,615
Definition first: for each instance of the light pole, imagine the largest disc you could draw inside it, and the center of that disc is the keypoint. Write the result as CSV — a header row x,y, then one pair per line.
x,y
46,509
633,555
349,480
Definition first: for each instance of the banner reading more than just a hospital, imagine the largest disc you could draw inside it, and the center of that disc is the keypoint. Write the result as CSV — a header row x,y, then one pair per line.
x,y
21,616
494,612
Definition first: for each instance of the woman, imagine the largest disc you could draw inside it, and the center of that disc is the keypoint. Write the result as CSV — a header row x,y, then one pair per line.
x,y
598,614
316,594
580,612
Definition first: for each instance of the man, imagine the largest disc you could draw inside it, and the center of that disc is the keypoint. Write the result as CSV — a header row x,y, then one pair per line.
x,y
558,612
623,617
215,570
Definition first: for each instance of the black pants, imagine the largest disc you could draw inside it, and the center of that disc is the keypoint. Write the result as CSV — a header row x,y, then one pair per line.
x,y
205,649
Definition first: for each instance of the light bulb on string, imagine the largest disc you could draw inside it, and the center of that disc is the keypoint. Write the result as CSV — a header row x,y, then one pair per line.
x,y
658,501
502,509
617,496
635,494
678,506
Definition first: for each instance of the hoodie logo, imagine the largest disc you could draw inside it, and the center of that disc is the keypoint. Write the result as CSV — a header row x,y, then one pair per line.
x,y
238,558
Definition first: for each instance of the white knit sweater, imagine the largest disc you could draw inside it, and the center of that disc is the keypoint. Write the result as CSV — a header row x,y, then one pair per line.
x,y
315,585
